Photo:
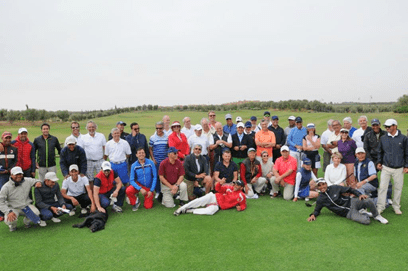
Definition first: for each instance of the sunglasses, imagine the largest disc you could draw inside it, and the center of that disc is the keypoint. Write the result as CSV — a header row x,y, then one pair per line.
x,y
197,149
76,127
211,115
137,129
159,128
387,127
344,132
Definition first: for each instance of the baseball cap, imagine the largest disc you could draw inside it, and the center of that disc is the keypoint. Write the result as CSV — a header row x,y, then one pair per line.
x,y
71,167
16,170
240,183
228,116
253,118
248,124
344,130
71,140
292,118
198,127
267,113
21,130
375,122
106,166
310,126
298,119
238,119
52,176
360,149
240,124
121,122
250,150
284,148
172,149
320,180
6,134
390,122
307,161
275,118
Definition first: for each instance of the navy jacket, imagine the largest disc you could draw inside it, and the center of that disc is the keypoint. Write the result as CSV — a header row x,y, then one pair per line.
x,y
393,151
136,142
190,166
246,140
77,157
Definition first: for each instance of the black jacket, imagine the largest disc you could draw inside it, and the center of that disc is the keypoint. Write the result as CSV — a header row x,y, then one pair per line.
x,y
45,196
190,167
371,144
246,140
68,158
341,205
44,158
393,151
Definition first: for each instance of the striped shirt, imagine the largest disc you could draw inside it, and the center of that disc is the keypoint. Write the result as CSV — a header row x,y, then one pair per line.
x,y
159,144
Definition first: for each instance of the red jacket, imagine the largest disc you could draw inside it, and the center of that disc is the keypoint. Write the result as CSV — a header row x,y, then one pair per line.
x,y
228,198
26,154
181,145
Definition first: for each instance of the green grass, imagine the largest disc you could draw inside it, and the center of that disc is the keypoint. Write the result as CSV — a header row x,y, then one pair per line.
x,y
271,234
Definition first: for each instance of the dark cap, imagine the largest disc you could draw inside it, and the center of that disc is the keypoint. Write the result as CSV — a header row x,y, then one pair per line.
x,y
375,122
298,119
240,183
248,124
307,161
253,118
267,113
275,118
121,122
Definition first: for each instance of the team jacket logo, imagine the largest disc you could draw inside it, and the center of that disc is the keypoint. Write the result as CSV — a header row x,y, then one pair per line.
x,y
241,198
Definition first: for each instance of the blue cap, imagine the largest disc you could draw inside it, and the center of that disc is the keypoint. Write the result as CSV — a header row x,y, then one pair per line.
x,y
172,149
275,118
267,113
121,122
307,161
248,124
298,119
253,118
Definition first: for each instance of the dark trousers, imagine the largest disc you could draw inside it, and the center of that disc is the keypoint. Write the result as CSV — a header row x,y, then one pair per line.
x,y
82,199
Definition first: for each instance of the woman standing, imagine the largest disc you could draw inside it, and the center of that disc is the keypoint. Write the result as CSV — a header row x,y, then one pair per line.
x,y
347,147
311,145
179,141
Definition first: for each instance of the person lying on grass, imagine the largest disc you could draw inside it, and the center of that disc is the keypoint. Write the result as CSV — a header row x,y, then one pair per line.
x,y
228,196
353,208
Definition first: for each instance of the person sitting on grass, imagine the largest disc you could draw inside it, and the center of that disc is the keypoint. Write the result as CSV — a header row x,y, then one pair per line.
x,y
107,187
251,172
14,197
143,178
305,182
285,174
226,169
353,208
228,196
77,191
48,199
336,172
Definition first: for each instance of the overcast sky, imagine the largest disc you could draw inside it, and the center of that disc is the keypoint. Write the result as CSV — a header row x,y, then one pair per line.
x,y
86,55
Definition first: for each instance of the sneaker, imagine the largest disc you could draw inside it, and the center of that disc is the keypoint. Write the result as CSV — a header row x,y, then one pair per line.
x,y
364,211
42,223
307,199
84,211
116,209
12,228
190,211
178,212
381,219
136,206
72,212
127,200
56,220
398,212
274,195
389,201
156,196
160,197
181,203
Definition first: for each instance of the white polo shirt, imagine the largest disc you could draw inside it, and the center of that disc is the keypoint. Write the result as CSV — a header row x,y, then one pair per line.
x,y
93,145
188,132
77,188
117,151
202,140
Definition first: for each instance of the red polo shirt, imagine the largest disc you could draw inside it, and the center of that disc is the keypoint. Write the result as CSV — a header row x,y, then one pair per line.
x,y
282,166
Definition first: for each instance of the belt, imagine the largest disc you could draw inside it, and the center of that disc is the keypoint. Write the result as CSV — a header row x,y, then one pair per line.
x,y
118,163
94,160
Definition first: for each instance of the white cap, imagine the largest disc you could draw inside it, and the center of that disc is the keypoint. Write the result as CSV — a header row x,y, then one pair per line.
x,y
21,130
51,176
390,122
238,119
284,148
344,130
310,126
16,170
198,127
360,149
71,140
71,167
292,118
106,166
241,124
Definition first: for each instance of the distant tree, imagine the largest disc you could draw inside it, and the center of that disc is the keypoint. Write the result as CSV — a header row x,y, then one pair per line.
x,y
150,107
63,115
13,115
31,115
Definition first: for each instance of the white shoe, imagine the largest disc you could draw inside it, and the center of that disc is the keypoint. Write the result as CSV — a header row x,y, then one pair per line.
x,y
12,228
136,206
56,220
306,199
364,211
389,201
156,196
72,212
84,211
117,209
42,223
127,200
381,219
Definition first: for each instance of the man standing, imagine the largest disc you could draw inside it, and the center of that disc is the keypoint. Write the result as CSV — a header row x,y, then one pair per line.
x,y
240,142
197,172
264,140
230,127
249,132
211,117
72,155
359,134
284,171
347,124
295,140
108,187
187,130
8,158
143,178
199,138
45,146
77,191
267,118
26,153
279,137
323,141
167,129
333,199
94,145
14,198
331,145
75,132
136,140
48,199
158,149
392,160
372,139
254,124
122,134
118,151
219,141
171,173
291,125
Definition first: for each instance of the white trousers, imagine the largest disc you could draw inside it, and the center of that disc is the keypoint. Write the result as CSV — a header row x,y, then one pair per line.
x,y
203,202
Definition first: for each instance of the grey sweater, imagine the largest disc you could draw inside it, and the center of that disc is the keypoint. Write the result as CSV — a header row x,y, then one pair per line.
x,y
15,197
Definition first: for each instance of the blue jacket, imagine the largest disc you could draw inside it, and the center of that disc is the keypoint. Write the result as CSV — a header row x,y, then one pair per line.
x,y
146,175
393,151
230,129
295,137
77,157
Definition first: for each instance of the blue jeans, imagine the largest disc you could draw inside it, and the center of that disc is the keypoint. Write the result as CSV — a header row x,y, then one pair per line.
x,y
105,201
47,214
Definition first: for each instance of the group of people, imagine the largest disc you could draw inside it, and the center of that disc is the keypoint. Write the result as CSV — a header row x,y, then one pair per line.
x,y
237,160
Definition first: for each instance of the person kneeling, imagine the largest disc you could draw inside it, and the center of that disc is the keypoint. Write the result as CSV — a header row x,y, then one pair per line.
x,y
228,196
305,182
